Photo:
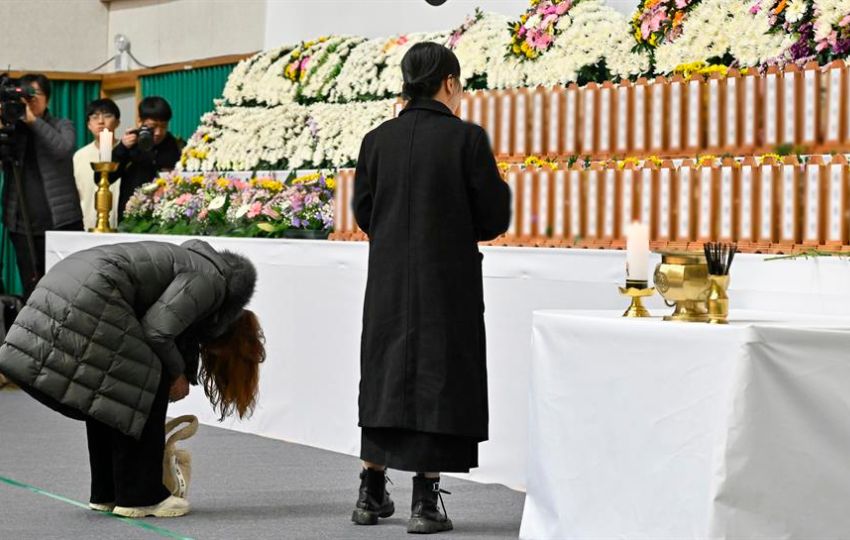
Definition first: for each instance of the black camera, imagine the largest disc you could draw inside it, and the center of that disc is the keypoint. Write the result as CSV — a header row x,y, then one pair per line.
x,y
12,92
145,137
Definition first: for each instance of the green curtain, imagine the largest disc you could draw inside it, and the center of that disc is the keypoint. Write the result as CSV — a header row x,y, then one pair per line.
x,y
190,93
68,99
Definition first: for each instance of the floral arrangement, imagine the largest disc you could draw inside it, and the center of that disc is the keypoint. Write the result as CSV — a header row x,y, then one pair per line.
x,y
287,136
228,206
660,21
473,45
743,39
537,28
816,30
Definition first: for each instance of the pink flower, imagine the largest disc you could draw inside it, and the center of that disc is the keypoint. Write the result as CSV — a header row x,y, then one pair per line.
x,y
203,214
270,212
402,40
681,4
822,45
255,210
562,8
183,199
845,21
304,63
755,9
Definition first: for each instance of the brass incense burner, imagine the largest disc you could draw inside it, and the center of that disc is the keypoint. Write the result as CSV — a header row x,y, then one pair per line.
x,y
682,279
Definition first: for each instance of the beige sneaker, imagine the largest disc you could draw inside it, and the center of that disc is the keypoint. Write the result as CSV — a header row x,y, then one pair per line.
x,y
170,507
108,507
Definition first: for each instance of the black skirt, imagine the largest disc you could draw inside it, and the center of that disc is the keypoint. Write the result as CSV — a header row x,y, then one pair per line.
x,y
416,451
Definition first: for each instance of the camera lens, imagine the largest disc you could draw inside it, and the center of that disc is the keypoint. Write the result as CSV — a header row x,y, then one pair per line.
x,y
145,140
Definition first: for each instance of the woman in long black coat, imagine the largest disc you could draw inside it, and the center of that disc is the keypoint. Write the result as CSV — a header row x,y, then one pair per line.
x,y
426,191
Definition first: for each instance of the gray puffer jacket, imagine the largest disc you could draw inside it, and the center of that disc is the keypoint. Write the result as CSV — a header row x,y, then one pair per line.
x,y
103,323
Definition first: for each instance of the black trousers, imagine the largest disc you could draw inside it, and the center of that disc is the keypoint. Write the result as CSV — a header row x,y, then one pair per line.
x,y
124,470
29,274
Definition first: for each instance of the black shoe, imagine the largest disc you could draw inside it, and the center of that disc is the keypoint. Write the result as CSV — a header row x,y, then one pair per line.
x,y
425,517
374,501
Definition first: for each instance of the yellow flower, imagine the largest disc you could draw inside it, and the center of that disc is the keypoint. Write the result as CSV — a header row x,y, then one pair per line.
x,y
197,180
504,166
269,184
160,182
206,138
307,179
516,49
223,183
330,182
706,160
653,39
655,160
775,156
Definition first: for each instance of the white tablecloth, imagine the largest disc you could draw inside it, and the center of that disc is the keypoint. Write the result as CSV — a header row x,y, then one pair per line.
x,y
310,297
650,429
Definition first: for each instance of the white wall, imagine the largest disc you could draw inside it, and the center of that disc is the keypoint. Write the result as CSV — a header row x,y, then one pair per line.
x,y
52,35
168,31
291,21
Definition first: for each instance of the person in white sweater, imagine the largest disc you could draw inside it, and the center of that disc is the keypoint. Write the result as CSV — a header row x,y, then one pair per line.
x,y
101,114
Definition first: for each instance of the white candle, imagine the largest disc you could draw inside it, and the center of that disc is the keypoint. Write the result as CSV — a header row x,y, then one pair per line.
x,y
105,145
637,252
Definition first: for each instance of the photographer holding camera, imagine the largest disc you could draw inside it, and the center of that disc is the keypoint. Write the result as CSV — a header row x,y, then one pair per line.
x,y
39,192
146,150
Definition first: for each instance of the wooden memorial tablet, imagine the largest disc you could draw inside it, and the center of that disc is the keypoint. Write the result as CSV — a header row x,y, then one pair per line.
x,y
684,192
716,117
571,120
676,120
539,121
638,117
727,194
809,105
705,199
837,211
749,112
513,179
521,147
622,116
746,207
835,119
665,203
693,116
789,213
613,197
574,217
730,106
772,108
555,121
814,203
657,115
589,118
607,124
491,113
767,182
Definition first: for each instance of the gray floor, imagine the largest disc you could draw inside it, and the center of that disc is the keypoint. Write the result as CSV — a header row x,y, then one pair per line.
x,y
243,487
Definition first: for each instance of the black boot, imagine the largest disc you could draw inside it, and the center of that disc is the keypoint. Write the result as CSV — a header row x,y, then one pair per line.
x,y
425,517
374,500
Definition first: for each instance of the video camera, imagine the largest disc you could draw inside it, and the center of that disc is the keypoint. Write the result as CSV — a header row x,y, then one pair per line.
x,y
145,137
12,96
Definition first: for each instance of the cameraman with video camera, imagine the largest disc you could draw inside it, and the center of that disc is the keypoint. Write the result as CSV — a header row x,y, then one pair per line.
x,y
146,150
39,192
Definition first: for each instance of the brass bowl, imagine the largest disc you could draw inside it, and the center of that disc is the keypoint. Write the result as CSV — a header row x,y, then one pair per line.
x,y
682,279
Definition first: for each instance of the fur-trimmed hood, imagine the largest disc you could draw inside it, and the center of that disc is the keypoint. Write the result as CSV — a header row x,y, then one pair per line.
x,y
241,278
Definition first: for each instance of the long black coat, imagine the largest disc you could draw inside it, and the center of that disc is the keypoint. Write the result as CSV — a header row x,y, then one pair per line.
x,y
426,190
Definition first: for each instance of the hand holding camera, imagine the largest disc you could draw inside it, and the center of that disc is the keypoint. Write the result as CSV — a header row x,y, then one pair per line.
x,y
143,136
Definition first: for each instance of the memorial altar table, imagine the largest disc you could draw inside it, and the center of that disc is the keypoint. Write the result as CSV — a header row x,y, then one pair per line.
x,y
310,299
640,428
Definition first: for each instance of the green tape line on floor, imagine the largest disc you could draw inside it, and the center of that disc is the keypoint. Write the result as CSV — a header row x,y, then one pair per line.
x,y
134,522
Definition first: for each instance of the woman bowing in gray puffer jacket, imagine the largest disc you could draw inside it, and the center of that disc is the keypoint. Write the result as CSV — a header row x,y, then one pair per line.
x,y
111,334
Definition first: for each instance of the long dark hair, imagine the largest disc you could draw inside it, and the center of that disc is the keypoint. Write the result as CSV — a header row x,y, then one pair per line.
x,y
230,367
424,68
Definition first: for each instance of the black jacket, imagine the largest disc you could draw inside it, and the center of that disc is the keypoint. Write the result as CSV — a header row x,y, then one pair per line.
x,y
53,140
105,324
137,168
426,190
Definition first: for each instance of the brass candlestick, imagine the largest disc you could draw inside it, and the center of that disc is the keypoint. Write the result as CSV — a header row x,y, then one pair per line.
x,y
636,290
103,198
